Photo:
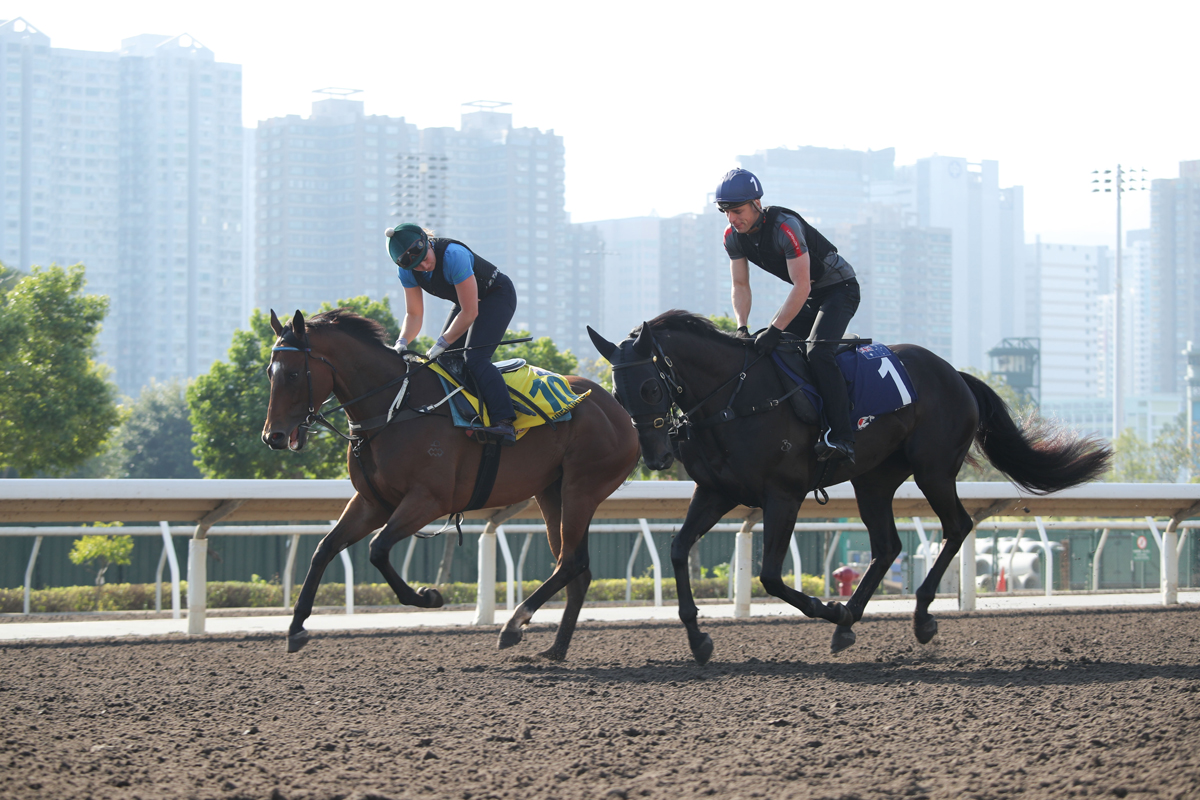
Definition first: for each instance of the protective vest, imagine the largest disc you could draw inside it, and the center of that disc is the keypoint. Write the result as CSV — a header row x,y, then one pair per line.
x,y
437,284
760,248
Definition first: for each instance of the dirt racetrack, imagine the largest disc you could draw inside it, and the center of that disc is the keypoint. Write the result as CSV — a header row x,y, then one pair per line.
x,y
1091,704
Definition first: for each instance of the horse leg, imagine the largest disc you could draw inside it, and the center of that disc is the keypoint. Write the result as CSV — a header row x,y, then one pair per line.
x,y
576,591
409,517
779,519
567,532
956,524
357,520
874,492
705,510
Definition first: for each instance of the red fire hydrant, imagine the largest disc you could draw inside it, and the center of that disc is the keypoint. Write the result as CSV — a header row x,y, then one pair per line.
x,y
845,578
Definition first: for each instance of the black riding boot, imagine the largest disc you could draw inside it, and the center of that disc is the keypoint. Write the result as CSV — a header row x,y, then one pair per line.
x,y
839,443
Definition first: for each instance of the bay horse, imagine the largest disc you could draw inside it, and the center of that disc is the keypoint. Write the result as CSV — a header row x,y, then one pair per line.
x,y
690,388
417,468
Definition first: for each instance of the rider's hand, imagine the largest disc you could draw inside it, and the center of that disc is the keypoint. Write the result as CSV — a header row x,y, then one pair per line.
x,y
401,345
765,342
438,348
743,333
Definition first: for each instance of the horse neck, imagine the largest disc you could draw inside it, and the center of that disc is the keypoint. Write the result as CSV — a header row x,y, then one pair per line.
x,y
701,364
359,369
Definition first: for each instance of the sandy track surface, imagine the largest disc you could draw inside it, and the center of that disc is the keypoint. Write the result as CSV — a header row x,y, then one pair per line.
x,y
1038,704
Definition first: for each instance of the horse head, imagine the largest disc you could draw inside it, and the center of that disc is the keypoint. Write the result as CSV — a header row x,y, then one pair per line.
x,y
296,390
642,390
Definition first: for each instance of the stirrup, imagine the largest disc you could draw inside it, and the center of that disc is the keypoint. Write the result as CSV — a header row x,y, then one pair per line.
x,y
827,450
504,431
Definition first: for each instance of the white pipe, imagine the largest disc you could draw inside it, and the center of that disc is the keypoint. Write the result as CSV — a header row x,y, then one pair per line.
x,y
654,558
829,551
796,566
173,560
1096,560
1049,556
521,567
408,554
508,567
925,551
1012,552
966,573
1158,540
197,584
485,603
745,565
346,565
637,545
162,560
289,570
1168,573
37,545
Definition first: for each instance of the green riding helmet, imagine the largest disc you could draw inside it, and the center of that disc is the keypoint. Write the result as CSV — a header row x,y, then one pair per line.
x,y
407,244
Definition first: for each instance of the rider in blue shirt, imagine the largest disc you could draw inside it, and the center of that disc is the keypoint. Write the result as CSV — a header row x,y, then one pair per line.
x,y
484,302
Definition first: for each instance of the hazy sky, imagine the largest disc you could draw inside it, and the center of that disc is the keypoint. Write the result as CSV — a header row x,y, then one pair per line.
x,y
656,100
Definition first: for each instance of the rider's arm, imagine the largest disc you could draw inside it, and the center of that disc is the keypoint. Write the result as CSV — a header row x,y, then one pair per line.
x,y
798,272
739,269
414,313
468,301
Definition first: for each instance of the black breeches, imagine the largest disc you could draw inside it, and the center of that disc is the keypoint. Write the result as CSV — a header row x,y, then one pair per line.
x,y
495,312
825,315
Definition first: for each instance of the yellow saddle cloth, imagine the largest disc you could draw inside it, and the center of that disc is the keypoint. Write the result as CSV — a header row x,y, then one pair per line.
x,y
532,390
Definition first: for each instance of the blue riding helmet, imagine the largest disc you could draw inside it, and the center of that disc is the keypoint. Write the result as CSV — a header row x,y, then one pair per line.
x,y
737,187
407,245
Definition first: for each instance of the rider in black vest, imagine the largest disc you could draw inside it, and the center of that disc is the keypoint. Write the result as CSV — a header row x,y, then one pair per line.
x,y
484,302
824,296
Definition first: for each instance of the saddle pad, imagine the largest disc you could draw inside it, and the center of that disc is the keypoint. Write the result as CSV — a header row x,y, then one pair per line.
x,y
877,382
549,392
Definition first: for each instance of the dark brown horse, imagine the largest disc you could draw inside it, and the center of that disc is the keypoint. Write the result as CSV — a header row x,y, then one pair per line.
x,y
418,468
739,456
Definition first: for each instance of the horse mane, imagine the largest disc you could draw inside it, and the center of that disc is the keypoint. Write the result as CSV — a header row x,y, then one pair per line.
x,y
686,322
364,329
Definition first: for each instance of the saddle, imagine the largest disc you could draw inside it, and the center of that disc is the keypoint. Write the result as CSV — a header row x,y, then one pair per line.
x,y
791,364
540,397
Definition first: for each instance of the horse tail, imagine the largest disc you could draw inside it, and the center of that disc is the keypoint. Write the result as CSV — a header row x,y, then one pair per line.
x,y
1038,456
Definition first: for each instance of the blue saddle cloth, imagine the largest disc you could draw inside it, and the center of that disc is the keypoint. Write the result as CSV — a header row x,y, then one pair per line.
x,y
877,382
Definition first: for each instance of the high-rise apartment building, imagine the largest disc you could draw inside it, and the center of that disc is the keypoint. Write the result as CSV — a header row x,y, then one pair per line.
x,y
323,195
693,272
1070,321
129,162
827,187
181,209
1175,264
905,275
632,254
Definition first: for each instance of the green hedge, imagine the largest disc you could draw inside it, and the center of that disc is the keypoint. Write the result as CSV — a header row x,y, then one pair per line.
x,y
259,594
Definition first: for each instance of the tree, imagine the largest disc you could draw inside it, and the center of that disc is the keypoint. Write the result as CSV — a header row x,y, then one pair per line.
x,y
540,352
1164,461
229,403
101,552
724,322
57,407
156,439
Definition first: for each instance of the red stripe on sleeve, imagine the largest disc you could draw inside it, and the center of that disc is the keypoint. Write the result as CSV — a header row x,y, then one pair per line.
x,y
796,246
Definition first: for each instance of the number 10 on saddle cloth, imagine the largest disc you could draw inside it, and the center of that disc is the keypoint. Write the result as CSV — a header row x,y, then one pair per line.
x,y
532,389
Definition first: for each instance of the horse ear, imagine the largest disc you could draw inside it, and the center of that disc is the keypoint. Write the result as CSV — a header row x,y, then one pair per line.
x,y
275,324
606,348
298,324
643,342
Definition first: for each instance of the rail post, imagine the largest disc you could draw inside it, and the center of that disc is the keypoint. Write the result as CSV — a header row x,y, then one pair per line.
x,y
198,564
168,555
485,599
745,564
37,545
1169,556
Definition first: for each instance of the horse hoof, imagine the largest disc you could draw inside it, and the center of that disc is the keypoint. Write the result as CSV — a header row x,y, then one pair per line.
x,y
843,637
297,640
552,655
842,616
926,630
510,637
433,598
703,650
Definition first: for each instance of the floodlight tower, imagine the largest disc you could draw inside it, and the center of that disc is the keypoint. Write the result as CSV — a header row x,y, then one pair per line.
x,y
1118,182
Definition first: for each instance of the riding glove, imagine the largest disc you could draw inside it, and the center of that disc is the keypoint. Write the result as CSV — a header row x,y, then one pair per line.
x,y
765,342
401,345
438,348
743,333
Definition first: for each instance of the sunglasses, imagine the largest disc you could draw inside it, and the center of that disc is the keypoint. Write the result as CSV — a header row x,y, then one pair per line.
x,y
414,252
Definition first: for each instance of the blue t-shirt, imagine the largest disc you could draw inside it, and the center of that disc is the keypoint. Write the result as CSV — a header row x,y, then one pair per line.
x,y
457,263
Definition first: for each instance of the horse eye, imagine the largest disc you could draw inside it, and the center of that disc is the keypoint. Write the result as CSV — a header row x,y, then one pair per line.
x,y
651,391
